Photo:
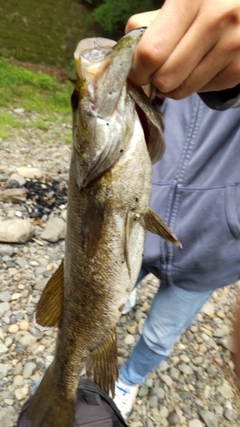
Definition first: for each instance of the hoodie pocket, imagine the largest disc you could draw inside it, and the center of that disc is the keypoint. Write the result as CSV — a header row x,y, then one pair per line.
x,y
207,224
233,209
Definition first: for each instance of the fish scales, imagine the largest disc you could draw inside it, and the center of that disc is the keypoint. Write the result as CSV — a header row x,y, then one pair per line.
x,y
107,217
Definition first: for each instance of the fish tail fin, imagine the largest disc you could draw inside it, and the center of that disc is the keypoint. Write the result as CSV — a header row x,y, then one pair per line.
x,y
47,407
103,363
152,222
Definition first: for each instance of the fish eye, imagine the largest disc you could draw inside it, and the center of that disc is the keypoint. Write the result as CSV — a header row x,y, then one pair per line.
x,y
74,99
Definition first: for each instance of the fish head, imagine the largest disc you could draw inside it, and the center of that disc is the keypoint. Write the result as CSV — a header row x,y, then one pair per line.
x,y
102,104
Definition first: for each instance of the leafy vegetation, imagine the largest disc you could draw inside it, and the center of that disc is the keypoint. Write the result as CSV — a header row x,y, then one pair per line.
x,y
32,91
43,32
112,15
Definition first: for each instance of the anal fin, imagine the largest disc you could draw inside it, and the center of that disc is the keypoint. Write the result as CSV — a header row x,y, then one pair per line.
x,y
49,307
152,222
103,363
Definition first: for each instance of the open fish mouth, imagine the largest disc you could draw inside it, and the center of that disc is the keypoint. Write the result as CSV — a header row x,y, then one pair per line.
x,y
103,112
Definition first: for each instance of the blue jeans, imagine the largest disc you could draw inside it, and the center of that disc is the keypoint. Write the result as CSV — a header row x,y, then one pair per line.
x,y
173,310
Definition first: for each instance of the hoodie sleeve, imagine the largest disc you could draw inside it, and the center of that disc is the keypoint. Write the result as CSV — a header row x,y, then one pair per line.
x,y
222,100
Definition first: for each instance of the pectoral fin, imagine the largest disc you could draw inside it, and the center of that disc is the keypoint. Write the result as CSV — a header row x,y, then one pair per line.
x,y
103,364
152,222
49,307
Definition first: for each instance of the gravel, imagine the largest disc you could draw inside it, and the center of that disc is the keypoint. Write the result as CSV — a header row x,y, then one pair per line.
x,y
194,387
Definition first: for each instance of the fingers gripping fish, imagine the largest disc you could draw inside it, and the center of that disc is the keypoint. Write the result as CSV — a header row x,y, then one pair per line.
x,y
117,135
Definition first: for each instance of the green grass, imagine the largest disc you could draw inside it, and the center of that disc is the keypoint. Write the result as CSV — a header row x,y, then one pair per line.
x,y
32,91
68,138
41,124
7,121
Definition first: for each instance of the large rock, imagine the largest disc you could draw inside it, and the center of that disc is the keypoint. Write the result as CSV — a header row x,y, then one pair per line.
x,y
13,195
6,250
55,230
16,230
15,181
31,173
8,417
209,418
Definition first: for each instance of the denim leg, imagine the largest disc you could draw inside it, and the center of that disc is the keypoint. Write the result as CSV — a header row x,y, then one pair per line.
x,y
173,310
143,273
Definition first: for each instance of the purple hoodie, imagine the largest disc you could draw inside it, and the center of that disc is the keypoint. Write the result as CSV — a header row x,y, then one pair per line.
x,y
196,191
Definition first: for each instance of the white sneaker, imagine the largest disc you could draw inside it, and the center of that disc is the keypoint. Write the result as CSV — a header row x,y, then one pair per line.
x,y
125,396
130,302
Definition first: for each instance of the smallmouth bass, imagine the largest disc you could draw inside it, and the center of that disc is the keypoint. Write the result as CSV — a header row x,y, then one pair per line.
x,y
117,135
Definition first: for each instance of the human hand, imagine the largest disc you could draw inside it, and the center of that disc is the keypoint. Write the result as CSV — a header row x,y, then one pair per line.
x,y
190,46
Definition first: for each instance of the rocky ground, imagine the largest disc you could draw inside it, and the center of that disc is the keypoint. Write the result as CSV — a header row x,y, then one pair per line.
x,y
195,387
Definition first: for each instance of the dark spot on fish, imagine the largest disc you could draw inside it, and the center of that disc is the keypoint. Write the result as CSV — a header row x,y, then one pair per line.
x,y
74,99
87,234
121,308
107,124
136,199
122,150
123,262
92,223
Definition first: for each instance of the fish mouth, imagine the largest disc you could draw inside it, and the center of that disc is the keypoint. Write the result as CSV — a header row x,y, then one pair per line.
x,y
103,102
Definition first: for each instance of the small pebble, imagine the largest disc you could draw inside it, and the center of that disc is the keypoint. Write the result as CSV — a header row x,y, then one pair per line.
x,y
21,393
13,329
163,412
24,325
129,339
195,423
